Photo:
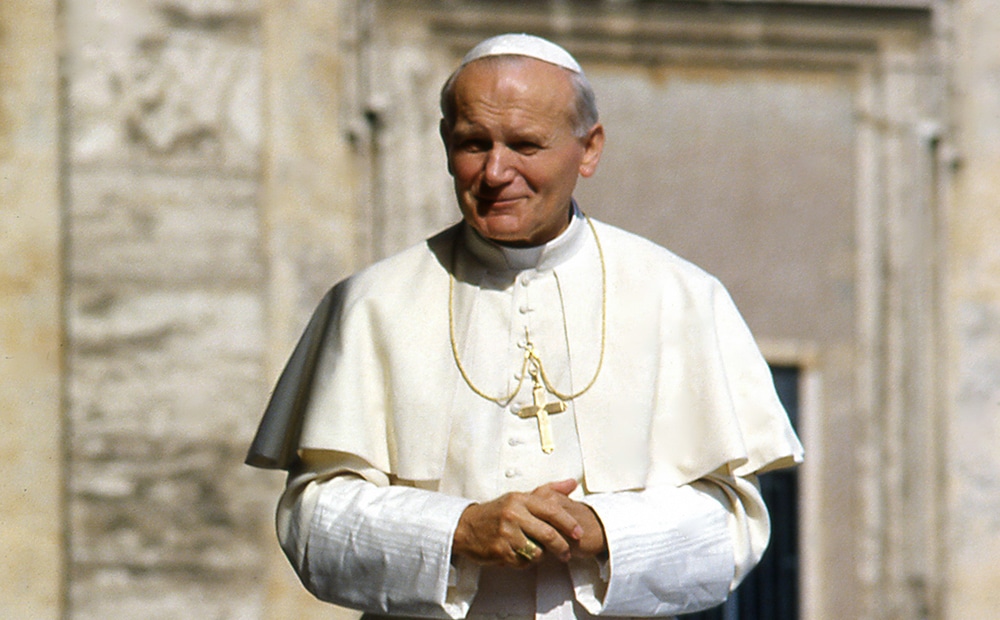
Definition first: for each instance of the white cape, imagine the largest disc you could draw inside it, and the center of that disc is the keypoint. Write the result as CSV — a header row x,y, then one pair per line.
x,y
683,391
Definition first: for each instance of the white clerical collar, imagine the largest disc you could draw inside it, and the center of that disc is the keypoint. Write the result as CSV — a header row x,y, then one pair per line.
x,y
541,257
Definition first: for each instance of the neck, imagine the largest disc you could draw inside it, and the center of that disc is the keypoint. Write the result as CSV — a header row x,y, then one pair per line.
x,y
570,212
546,255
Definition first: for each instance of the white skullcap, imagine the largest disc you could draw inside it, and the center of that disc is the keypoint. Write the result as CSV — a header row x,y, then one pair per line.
x,y
524,45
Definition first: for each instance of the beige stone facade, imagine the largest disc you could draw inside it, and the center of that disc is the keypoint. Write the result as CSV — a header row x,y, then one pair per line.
x,y
180,180
32,502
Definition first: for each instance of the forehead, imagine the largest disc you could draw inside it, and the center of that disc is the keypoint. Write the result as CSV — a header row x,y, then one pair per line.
x,y
513,88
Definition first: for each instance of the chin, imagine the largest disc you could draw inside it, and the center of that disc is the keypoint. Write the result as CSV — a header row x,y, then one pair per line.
x,y
506,238
501,232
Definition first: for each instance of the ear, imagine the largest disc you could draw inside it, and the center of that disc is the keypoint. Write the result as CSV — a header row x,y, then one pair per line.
x,y
593,145
445,133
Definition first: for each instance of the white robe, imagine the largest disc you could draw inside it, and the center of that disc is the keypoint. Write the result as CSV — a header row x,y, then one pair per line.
x,y
666,444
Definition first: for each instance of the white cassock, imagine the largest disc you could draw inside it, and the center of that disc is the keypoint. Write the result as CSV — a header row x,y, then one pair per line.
x,y
387,443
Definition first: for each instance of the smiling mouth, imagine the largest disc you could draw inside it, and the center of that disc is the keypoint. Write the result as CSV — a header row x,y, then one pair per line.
x,y
497,201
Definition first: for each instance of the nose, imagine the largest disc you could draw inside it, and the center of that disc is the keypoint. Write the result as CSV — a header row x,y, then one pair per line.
x,y
498,169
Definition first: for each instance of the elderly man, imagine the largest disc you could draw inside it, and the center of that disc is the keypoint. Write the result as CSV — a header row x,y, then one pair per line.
x,y
532,413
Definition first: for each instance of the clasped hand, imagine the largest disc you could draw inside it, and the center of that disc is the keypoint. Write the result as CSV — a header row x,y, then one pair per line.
x,y
517,529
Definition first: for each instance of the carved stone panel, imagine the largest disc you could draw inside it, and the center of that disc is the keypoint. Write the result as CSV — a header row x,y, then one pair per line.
x,y
165,82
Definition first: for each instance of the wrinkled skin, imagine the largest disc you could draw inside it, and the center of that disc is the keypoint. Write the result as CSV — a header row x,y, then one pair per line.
x,y
490,533
512,152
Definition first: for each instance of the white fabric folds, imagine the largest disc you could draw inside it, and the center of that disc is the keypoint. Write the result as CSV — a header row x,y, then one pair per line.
x,y
387,443
683,392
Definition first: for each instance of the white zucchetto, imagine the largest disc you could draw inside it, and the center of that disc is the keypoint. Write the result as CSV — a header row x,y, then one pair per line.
x,y
524,45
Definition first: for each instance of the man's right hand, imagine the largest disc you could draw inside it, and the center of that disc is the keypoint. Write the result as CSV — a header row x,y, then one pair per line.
x,y
533,523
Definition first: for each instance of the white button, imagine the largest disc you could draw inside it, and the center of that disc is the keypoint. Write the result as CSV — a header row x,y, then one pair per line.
x,y
525,280
513,441
524,309
510,473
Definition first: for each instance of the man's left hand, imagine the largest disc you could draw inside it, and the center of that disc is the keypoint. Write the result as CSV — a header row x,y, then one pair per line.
x,y
592,541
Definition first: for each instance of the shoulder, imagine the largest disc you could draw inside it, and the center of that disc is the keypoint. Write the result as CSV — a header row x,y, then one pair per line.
x,y
631,257
401,278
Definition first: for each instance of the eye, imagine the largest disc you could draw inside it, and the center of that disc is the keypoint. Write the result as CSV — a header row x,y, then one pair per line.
x,y
526,147
474,145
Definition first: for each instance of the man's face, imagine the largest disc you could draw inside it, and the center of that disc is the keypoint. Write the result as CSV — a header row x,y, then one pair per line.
x,y
512,151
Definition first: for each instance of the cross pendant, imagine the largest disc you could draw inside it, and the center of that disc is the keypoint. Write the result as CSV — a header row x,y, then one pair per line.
x,y
541,410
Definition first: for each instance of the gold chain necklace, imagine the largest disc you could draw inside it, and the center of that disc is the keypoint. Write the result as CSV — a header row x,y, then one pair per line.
x,y
532,363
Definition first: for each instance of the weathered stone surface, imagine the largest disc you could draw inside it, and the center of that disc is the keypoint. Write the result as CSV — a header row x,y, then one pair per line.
x,y
170,505
972,542
145,228
973,539
166,312
166,82
167,526
31,424
183,364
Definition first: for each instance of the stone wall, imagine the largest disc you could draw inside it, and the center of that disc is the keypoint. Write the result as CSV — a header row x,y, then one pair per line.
x,y
973,256
166,308
31,428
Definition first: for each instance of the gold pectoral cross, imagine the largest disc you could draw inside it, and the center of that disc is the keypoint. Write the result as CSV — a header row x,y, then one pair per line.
x,y
541,409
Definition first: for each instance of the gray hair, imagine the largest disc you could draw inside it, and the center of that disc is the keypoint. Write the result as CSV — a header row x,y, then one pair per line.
x,y
585,108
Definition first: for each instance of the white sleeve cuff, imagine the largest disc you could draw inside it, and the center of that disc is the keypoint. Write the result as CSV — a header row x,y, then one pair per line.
x,y
386,550
670,550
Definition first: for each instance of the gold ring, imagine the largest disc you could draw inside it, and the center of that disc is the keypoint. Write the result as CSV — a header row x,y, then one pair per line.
x,y
528,550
